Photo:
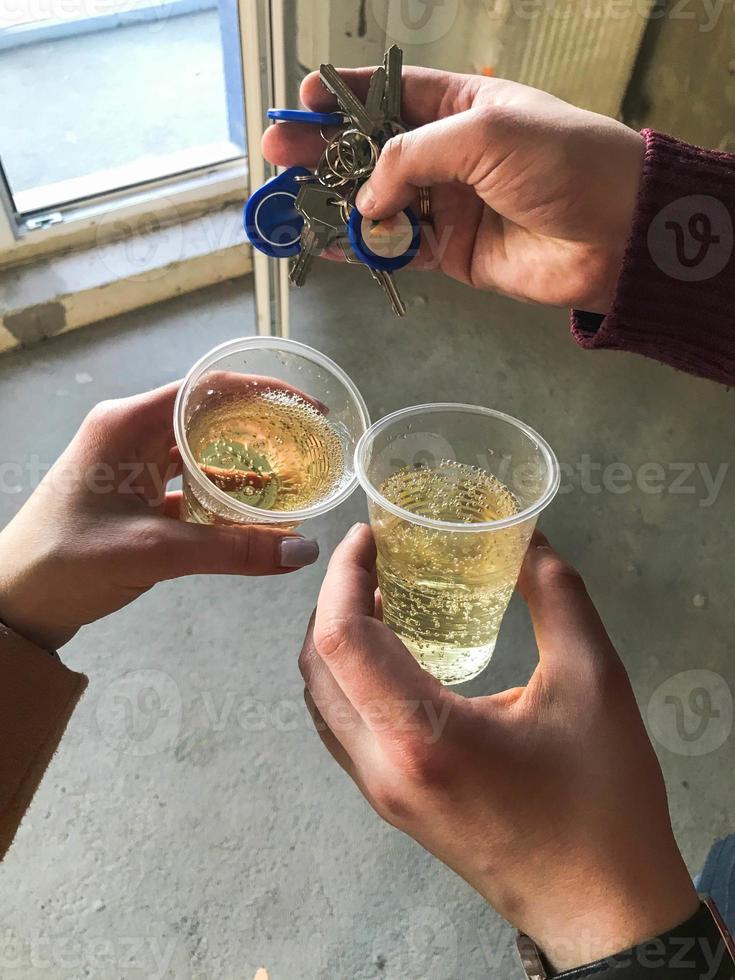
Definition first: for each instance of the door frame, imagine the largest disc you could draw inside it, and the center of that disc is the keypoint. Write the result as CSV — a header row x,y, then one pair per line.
x,y
263,39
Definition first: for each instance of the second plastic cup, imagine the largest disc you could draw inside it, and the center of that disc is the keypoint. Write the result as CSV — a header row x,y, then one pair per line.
x,y
454,492
267,430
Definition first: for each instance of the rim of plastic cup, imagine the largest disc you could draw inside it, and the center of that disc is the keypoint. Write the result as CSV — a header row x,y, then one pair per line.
x,y
552,483
194,473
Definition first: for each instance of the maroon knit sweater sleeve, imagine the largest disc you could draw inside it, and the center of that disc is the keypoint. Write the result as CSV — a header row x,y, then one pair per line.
x,y
675,298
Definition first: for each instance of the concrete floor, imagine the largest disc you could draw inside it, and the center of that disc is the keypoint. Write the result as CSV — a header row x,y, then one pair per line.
x,y
78,105
224,839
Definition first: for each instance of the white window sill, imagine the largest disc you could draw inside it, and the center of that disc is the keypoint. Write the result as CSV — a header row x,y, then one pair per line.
x,y
59,293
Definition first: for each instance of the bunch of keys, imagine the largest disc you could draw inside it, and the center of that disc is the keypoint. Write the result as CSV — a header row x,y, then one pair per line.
x,y
300,212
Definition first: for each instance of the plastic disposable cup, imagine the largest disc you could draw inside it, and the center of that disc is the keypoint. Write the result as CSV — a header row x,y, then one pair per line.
x,y
287,373
446,577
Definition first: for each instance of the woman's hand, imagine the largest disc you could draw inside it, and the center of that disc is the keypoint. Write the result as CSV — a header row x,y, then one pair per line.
x,y
101,529
530,196
547,799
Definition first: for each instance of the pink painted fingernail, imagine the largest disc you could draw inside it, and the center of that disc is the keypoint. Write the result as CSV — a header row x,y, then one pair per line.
x,y
298,552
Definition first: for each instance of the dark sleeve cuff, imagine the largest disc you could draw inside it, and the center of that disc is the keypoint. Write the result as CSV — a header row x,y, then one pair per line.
x,y
697,950
586,324
675,299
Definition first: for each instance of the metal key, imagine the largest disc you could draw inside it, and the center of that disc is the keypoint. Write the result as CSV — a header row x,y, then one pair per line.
x,y
375,97
323,225
393,63
347,99
386,281
309,247
393,124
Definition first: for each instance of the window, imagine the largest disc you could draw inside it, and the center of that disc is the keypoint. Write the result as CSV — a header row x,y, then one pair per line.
x,y
104,99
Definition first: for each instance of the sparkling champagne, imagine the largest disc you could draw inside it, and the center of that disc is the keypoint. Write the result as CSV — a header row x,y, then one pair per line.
x,y
268,448
445,591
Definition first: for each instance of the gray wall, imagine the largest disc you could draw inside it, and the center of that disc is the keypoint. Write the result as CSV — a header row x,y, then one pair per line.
x,y
684,82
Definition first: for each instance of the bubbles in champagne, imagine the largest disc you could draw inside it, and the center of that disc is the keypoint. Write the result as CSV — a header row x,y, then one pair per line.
x,y
266,447
445,591
450,491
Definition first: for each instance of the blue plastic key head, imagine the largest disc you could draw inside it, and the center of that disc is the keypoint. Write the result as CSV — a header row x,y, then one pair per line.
x,y
304,116
385,245
272,223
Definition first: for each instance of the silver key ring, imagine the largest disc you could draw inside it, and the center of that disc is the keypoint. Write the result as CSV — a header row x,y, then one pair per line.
x,y
359,136
337,160
335,167
346,147
328,177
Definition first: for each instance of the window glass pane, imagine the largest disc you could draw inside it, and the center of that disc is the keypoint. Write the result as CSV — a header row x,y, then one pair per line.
x,y
134,91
